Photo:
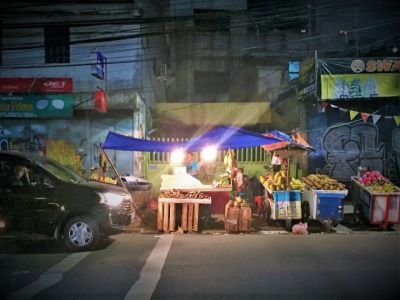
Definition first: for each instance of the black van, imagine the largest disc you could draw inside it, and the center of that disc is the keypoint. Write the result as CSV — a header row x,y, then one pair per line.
x,y
41,196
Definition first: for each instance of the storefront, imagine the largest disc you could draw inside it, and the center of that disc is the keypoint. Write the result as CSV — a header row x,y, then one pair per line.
x,y
46,116
352,114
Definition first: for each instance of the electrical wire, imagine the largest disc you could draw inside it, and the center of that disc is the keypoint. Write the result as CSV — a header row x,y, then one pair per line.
x,y
158,23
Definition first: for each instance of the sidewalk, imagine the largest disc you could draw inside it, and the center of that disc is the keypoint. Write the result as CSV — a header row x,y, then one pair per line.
x,y
215,225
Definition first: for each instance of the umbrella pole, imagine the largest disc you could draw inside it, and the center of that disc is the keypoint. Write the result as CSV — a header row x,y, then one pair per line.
x,y
122,183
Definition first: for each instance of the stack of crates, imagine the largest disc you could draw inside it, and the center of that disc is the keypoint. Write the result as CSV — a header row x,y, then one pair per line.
x,y
237,219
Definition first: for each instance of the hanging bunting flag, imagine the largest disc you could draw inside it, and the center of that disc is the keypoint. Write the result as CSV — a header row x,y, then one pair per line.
x,y
397,120
375,118
343,109
364,116
334,106
353,114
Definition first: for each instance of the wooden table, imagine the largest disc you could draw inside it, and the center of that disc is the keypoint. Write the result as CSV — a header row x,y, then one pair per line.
x,y
190,213
219,195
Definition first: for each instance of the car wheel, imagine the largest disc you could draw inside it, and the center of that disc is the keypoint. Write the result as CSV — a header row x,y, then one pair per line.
x,y
80,233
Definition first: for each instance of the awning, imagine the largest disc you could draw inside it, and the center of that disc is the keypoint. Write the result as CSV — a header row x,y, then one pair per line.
x,y
223,137
286,141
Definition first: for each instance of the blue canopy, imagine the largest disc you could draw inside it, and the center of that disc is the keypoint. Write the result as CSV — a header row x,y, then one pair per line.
x,y
223,137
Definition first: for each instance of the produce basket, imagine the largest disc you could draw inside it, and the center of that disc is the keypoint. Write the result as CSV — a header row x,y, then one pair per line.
x,y
380,208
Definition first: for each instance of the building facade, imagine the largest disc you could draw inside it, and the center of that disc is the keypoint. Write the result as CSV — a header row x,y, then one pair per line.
x,y
97,48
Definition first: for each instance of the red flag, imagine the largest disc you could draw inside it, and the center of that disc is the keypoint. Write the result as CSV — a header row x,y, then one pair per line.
x,y
100,102
364,116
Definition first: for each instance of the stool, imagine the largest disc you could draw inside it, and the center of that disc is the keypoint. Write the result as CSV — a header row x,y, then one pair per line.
x,y
258,200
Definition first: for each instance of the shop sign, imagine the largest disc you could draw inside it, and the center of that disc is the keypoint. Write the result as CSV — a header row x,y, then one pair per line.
x,y
359,78
99,68
36,106
35,85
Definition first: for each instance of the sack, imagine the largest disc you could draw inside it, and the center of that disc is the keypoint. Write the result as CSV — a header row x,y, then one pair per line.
x,y
300,229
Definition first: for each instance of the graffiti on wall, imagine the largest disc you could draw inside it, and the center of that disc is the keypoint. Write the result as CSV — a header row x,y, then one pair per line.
x,y
393,169
350,146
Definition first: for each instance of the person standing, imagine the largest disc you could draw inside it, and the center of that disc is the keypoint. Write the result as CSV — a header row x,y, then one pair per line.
x,y
192,166
276,162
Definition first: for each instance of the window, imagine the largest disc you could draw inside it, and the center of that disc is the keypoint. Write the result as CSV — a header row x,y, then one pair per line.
x,y
294,68
56,39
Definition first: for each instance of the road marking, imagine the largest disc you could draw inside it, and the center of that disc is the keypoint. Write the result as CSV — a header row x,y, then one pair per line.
x,y
151,271
49,278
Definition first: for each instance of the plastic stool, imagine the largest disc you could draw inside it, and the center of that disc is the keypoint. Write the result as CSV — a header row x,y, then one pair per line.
x,y
259,201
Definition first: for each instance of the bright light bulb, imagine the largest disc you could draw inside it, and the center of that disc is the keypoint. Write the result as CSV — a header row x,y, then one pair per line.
x,y
177,156
209,153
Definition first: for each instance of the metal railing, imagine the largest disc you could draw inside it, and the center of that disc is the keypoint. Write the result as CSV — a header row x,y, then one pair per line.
x,y
247,155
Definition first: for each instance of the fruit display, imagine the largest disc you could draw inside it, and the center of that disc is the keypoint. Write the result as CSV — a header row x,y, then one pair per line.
x,y
296,184
180,195
223,182
238,202
278,182
323,182
275,182
375,182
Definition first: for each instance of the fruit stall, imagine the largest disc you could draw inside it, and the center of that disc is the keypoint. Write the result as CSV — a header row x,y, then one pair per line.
x,y
186,193
323,200
376,199
180,187
282,197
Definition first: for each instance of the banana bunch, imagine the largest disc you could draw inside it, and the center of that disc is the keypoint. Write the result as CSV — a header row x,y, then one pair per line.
x,y
230,160
275,182
296,184
323,182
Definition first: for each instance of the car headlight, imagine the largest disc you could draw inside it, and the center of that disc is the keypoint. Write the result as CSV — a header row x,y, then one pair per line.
x,y
111,199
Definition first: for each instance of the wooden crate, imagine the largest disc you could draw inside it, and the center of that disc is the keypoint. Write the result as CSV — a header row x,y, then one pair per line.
x,y
245,219
237,219
190,217
232,219
190,213
166,216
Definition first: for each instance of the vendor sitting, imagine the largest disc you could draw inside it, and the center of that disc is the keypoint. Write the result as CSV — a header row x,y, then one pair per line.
x,y
192,166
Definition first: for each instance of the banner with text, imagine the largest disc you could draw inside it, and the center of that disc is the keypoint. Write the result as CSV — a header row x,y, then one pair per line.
x,y
359,78
35,85
36,106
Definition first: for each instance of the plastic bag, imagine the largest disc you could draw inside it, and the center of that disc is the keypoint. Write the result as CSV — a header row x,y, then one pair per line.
x,y
300,229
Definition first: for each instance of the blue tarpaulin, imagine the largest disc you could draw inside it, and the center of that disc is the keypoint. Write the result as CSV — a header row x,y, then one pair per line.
x,y
223,137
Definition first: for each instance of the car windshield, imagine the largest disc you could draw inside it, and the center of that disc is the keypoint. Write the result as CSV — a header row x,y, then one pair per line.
x,y
61,172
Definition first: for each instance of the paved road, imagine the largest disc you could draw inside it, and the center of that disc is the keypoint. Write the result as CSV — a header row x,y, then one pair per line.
x,y
208,266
